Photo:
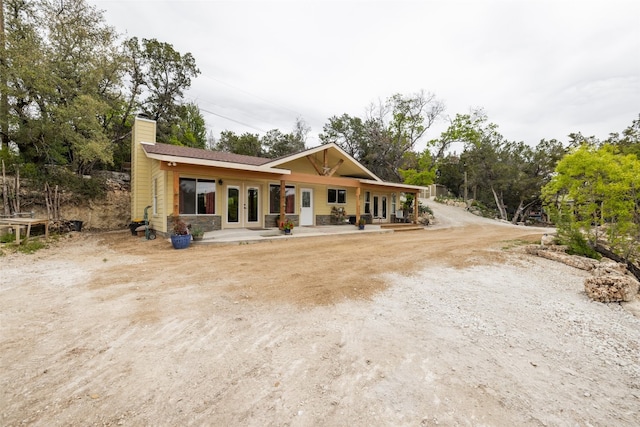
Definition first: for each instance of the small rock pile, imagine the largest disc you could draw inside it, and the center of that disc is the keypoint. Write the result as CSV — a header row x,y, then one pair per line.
x,y
610,282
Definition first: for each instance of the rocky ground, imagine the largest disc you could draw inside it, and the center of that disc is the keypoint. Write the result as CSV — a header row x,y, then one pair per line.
x,y
454,325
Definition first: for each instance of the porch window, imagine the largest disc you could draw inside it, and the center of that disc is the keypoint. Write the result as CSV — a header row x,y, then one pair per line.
x,y
197,196
155,196
335,195
393,203
367,202
274,199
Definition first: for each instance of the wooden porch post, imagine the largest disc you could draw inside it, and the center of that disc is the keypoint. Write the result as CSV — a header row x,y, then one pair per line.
x,y
176,194
415,207
283,202
357,205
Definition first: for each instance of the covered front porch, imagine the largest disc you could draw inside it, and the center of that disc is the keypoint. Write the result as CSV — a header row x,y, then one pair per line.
x,y
251,235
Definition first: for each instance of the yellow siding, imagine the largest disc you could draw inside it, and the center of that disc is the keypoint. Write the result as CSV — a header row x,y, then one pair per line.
x,y
302,165
322,207
157,220
141,192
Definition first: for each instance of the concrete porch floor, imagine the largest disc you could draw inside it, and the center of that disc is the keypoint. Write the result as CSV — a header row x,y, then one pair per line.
x,y
245,235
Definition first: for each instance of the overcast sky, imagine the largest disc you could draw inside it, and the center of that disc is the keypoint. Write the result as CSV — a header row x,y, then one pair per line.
x,y
539,69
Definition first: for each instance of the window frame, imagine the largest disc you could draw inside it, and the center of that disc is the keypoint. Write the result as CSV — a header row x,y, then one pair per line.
x,y
367,202
275,210
337,193
154,197
196,196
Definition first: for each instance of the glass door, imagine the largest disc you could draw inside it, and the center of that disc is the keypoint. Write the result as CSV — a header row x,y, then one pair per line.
x,y
243,206
252,206
233,205
380,208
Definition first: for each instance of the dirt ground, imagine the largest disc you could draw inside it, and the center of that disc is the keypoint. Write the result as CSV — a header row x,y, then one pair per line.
x,y
454,325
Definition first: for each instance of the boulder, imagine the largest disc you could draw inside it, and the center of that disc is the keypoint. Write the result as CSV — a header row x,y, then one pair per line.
x,y
547,239
609,268
555,254
611,287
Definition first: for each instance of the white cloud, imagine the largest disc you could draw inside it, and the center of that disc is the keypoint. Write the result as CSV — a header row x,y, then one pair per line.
x,y
540,69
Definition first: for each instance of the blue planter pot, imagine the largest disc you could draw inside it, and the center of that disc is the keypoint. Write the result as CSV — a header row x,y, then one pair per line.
x,y
180,241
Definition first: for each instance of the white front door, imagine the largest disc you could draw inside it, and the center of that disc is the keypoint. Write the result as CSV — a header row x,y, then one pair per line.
x,y
306,207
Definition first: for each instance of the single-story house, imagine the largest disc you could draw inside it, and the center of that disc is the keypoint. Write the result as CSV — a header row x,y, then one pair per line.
x,y
218,190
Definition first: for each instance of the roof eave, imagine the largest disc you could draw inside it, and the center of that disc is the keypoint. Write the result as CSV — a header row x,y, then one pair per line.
x,y
393,184
216,163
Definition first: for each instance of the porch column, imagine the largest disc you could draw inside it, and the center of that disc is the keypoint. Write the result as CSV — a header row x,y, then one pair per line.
x,y
415,207
283,202
176,194
357,205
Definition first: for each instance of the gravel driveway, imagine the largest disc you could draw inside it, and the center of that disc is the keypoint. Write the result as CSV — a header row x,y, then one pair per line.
x,y
454,325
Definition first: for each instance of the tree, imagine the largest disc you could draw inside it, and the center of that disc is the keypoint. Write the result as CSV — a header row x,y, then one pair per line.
x,y
191,130
277,144
595,195
629,141
528,170
72,87
56,70
390,130
347,132
247,144
161,75
450,173
506,174
485,158
423,171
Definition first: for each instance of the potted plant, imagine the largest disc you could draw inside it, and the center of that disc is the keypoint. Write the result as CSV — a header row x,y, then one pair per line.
x,y
361,222
287,226
197,233
338,215
180,237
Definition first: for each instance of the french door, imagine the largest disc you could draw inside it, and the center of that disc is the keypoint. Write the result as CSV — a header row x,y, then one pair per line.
x,y
243,206
380,207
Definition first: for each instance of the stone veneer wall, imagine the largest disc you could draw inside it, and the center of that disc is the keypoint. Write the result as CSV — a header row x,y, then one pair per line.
x,y
207,223
323,219
271,220
330,220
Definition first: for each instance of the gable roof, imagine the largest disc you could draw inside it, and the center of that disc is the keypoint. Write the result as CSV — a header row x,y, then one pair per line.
x,y
358,170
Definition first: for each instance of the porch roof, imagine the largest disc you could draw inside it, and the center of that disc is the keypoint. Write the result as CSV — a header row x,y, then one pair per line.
x,y
396,185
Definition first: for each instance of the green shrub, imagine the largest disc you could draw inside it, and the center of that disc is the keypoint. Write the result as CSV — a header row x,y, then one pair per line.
x,y
423,209
485,211
31,246
80,187
7,238
578,245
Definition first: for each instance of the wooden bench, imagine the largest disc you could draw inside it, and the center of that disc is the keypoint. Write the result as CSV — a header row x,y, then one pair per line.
x,y
20,223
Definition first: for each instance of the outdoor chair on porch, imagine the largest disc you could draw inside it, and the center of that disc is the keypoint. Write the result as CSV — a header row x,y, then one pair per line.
x,y
400,216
